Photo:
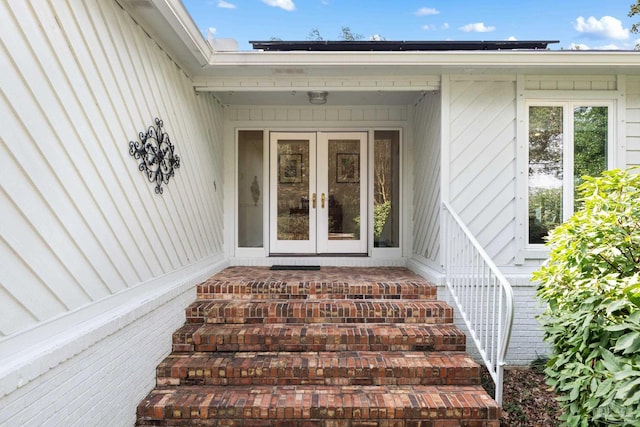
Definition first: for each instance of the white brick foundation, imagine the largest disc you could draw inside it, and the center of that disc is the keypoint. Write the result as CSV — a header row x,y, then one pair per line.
x,y
527,342
93,381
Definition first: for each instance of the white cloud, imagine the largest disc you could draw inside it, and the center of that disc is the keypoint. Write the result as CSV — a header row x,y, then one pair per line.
x,y
282,4
606,27
608,47
579,46
212,30
445,26
226,5
427,11
477,27
512,39
427,27
376,38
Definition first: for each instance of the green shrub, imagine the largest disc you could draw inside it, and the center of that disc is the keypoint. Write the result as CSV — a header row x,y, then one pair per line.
x,y
591,284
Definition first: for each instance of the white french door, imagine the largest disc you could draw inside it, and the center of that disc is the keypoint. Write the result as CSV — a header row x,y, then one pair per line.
x,y
318,202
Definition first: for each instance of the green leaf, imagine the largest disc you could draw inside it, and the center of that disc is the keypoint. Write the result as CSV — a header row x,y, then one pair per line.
x,y
610,361
629,342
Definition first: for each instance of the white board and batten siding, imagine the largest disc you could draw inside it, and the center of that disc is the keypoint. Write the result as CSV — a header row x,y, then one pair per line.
x,y
87,248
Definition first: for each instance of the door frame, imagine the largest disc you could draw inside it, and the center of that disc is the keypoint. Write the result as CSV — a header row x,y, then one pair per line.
x,y
261,254
319,242
324,244
291,246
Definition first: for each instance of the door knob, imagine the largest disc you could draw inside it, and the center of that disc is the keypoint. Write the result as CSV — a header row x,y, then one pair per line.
x,y
322,201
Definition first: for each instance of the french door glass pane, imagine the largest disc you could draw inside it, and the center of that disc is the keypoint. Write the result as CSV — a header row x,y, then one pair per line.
x,y
386,189
343,200
545,170
250,189
293,190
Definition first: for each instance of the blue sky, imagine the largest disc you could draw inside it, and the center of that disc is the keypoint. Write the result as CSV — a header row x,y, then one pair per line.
x,y
589,24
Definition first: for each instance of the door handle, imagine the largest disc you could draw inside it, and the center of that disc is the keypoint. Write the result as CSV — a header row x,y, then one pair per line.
x,y
313,200
322,201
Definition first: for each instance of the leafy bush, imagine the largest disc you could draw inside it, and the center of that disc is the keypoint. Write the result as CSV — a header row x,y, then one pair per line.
x,y
591,284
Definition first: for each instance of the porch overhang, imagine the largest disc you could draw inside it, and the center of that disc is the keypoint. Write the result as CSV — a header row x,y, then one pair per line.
x,y
353,77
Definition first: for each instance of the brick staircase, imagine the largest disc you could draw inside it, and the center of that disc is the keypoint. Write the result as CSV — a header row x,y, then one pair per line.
x,y
337,347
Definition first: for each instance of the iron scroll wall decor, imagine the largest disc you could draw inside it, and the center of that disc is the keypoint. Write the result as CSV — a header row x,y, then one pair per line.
x,y
156,154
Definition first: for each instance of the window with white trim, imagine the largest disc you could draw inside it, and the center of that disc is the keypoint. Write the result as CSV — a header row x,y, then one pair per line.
x,y
566,141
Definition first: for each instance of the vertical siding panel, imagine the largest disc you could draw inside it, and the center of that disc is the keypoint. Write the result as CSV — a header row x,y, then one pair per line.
x,y
181,111
97,107
43,298
30,239
427,178
127,71
155,72
79,80
483,159
206,190
119,127
88,153
38,113
633,121
141,69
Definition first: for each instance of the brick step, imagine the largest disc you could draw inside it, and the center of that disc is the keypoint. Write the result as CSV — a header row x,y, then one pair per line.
x,y
319,337
319,311
320,406
323,368
238,289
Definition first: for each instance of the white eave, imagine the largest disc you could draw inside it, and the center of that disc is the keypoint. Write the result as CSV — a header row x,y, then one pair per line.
x,y
170,25
514,59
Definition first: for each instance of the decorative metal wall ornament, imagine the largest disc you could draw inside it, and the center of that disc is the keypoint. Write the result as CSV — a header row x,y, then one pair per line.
x,y
156,154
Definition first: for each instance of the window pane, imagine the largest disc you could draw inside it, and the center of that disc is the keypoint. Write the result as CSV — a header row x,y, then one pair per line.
x,y
250,189
590,142
344,189
293,190
386,189
545,170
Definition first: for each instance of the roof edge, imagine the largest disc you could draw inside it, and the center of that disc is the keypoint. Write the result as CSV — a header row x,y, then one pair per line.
x,y
398,45
184,42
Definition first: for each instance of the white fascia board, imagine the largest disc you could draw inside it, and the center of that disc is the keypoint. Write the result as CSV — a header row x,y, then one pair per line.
x,y
171,26
459,59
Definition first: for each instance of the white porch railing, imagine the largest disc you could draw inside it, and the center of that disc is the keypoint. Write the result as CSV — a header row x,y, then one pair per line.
x,y
482,294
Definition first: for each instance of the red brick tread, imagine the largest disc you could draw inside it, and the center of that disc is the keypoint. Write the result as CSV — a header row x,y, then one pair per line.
x,y
319,311
319,337
322,368
326,274
243,289
253,406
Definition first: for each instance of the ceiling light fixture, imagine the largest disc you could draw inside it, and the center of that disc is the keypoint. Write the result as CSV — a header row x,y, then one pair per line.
x,y
317,97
